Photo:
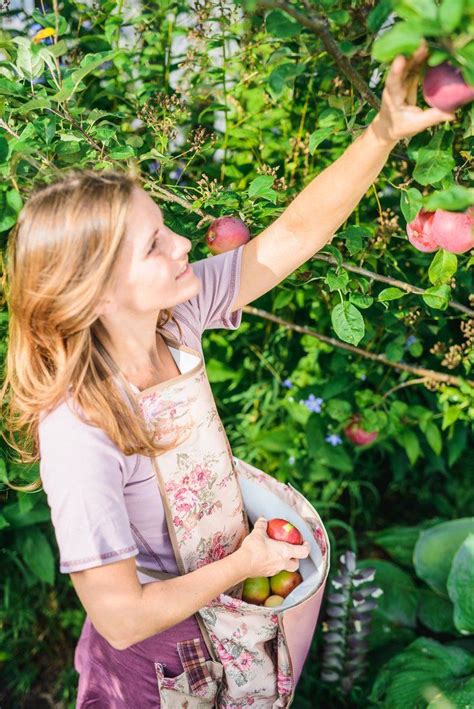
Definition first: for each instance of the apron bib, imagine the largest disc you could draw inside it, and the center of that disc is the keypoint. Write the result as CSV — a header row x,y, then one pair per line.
x,y
209,496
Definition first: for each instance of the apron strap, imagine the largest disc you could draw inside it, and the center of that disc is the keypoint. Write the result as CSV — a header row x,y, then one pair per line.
x,y
164,576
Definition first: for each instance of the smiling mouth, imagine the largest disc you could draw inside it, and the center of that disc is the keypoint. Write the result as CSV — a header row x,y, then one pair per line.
x,y
184,271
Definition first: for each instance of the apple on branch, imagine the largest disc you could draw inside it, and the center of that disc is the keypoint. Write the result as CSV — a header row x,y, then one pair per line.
x,y
444,87
357,435
225,234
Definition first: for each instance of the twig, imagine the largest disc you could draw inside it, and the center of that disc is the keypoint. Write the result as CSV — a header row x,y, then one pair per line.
x,y
420,371
319,25
407,287
405,384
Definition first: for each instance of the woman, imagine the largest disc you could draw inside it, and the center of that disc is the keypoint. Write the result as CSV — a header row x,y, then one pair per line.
x,y
105,375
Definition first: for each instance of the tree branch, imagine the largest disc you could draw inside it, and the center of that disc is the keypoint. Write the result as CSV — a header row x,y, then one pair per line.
x,y
319,25
407,287
420,371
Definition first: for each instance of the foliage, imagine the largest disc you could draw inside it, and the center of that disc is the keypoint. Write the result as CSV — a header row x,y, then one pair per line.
x,y
230,109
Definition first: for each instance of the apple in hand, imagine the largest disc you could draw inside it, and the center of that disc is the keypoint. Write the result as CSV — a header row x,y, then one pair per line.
x,y
226,233
283,531
419,232
273,601
256,590
444,87
284,582
358,435
453,231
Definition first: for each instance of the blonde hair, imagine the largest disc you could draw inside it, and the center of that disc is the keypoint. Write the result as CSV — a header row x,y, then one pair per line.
x,y
60,254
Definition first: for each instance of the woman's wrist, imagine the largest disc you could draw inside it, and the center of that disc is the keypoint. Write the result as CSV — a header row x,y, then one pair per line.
x,y
380,131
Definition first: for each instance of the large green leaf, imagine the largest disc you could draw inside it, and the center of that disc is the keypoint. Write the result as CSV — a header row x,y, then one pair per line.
x,y
37,553
400,39
281,25
426,674
461,586
435,160
400,541
435,550
348,323
435,612
443,267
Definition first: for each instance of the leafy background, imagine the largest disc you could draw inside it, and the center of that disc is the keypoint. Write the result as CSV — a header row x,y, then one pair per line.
x,y
230,108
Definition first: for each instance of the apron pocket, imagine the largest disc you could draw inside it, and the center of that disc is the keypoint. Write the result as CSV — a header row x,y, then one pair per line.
x,y
197,687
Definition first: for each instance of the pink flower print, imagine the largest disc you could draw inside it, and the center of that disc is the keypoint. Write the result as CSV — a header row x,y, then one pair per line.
x,y
184,507
284,683
185,480
244,661
320,540
201,473
177,521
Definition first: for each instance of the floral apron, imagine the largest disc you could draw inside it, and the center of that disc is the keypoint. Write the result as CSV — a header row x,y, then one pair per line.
x,y
209,497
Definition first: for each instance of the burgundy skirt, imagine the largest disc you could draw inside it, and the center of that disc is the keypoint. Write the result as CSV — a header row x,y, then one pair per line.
x,y
126,679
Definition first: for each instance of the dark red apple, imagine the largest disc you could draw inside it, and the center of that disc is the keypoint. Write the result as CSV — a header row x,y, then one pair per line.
x,y
273,601
283,531
420,233
256,590
284,582
444,87
454,230
226,233
357,435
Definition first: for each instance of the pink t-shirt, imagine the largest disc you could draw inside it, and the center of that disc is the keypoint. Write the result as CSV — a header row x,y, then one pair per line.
x,y
105,505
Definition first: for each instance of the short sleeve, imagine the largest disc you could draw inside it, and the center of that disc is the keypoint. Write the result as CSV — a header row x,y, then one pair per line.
x,y
82,476
220,283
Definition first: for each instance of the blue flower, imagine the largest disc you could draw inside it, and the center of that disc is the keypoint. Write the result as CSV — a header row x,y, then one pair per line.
x,y
333,439
176,174
291,460
313,403
154,166
363,377
410,341
287,383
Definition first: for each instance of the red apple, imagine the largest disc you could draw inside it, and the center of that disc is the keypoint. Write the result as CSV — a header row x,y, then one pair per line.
x,y
284,582
357,435
226,233
273,601
420,232
283,531
444,87
454,230
256,590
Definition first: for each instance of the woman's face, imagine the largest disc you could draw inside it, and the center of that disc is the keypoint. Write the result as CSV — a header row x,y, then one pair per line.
x,y
150,262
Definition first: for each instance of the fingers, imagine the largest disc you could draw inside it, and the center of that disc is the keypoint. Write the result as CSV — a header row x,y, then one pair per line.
x,y
431,117
260,523
292,565
298,551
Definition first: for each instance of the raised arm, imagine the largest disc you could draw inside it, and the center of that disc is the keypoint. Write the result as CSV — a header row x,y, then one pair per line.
x,y
315,215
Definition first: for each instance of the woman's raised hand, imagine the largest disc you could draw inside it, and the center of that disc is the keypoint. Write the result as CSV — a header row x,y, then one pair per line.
x,y
267,557
399,116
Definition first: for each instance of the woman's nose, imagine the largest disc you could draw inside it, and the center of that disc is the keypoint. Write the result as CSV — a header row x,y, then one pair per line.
x,y
181,246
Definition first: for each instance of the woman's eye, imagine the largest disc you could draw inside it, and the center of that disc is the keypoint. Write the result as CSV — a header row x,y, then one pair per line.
x,y
152,248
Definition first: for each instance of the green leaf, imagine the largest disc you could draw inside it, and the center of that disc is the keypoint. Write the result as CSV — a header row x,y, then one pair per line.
x,y
411,201
89,63
435,550
360,300
283,75
34,105
122,152
414,9
348,323
3,149
317,137
399,542
437,297
337,281
409,440
338,409
262,187
378,15
435,160
219,371
435,612
426,671
29,63
283,298
450,14
461,586
443,267
37,554
455,198
280,25
399,601
400,39
433,436
391,293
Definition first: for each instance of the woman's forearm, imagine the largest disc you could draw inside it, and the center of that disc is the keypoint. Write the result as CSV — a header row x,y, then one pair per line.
x,y
322,206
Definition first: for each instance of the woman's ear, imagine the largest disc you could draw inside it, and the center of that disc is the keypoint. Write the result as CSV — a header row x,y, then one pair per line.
x,y
105,306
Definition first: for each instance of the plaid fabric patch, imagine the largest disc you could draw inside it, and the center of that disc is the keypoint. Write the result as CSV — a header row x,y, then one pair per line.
x,y
194,664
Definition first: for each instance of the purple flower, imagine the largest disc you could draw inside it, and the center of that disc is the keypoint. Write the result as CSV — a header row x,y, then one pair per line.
x,y
334,439
154,166
34,29
410,341
176,174
287,384
313,403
